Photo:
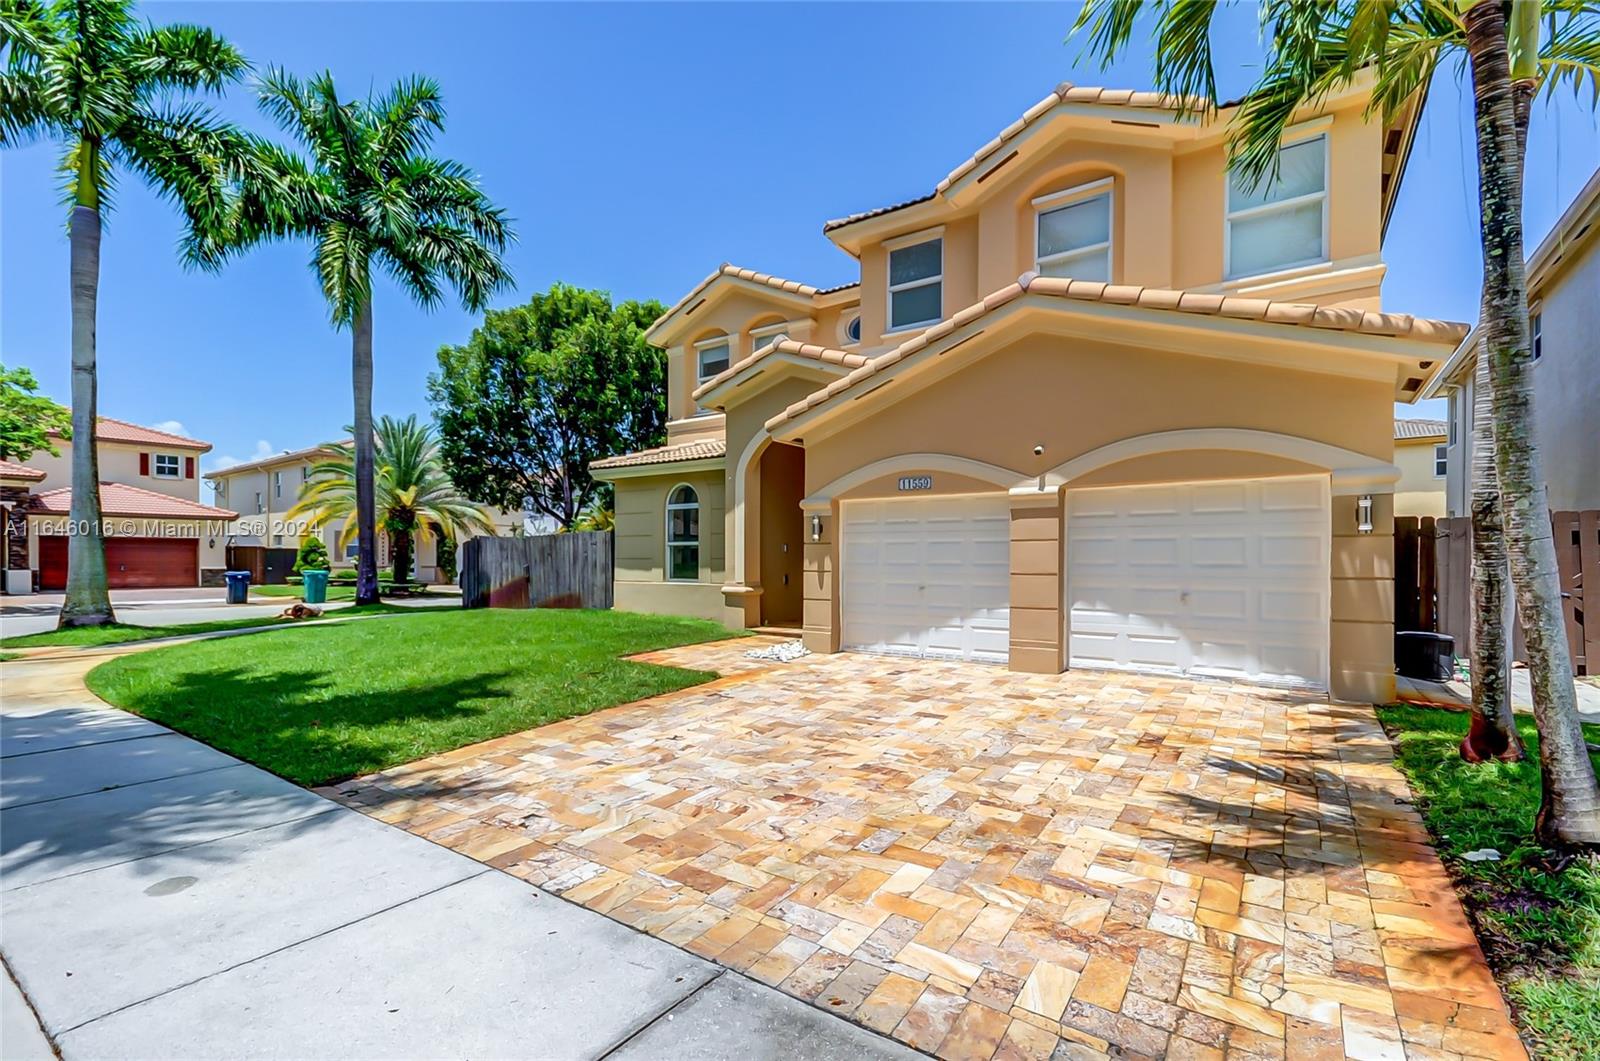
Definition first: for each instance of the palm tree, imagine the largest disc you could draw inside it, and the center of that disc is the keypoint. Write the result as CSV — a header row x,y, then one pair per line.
x,y
1317,47
86,74
413,497
370,195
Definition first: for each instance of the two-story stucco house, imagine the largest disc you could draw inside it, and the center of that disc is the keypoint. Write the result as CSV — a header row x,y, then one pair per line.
x,y
158,533
1422,456
1091,403
1564,315
263,491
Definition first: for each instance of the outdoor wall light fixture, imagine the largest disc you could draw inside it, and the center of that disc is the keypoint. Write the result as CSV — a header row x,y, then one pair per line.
x,y
816,528
1364,514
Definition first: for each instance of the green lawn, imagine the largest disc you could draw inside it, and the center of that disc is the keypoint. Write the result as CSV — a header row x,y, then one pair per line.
x,y
322,704
334,592
118,633
1539,924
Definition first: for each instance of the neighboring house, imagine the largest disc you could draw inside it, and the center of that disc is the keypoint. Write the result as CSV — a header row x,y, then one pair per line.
x,y
1564,313
263,491
158,534
1422,455
1181,460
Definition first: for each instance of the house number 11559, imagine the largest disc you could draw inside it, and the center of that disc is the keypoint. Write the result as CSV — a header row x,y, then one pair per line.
x,y
916,482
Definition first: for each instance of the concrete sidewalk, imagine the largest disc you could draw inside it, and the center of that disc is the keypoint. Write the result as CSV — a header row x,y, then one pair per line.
x,y
162,899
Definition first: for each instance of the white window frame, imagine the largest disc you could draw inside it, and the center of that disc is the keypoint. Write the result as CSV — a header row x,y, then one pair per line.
x,y
277,485
672,507
700,377
914,239
1536,333
1080,193
851,322
1441,460
260,507
760,337
1453,405
176,465
1293,137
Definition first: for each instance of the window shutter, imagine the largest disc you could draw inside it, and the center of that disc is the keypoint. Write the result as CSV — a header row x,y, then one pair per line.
x,y
188,467
144,464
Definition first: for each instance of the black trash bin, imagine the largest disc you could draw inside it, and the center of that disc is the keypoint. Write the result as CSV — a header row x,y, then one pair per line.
x,y
238,587
1425,655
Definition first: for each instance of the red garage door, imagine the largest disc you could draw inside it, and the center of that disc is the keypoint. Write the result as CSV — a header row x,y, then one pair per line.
x,y
131,563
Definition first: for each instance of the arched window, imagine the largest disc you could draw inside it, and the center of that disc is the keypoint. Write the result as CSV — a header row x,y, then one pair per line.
x,y
683,535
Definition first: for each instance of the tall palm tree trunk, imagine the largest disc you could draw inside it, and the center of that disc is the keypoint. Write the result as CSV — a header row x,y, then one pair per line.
x,y
88,600
366,503
1569,812
1493,733
402,557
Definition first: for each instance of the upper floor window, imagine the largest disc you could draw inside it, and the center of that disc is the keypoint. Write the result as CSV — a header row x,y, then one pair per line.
x,y
761,338
1536,335
277,484
711,359
1453,403
1441,461
1073,232
1283,221
852,331
260,508
683,534
916,284
166,465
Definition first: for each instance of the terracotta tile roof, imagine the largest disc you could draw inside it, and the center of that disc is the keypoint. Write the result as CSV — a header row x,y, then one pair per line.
x,y
109,430
13,470
777,283
1409,429
836,288
1066,92
701,449
120,499
782,345
1299,314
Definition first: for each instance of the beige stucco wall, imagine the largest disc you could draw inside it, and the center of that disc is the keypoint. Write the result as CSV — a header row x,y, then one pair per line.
x,y
641,546
1566,381
1419,492
119,463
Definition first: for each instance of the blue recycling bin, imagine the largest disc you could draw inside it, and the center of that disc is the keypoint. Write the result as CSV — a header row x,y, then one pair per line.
x,y
315,586
238,587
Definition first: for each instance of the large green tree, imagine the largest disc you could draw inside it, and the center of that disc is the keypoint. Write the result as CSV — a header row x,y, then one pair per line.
x,y
370,196
110,90
28,420
1511,51
541,390
414,497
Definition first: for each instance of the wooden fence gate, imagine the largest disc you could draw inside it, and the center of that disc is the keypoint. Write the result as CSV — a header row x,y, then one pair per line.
x,y
1433,581
542,571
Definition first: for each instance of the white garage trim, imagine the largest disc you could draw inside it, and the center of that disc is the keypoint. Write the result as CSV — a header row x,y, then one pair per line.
x,y
1351,470
915,462
927,577
1226,579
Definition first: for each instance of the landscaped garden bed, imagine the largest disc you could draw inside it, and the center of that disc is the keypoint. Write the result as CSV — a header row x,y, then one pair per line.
x,y
1537,917
326,703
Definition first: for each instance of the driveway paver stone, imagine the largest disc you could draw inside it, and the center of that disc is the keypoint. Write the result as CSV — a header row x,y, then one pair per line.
x,y
983,863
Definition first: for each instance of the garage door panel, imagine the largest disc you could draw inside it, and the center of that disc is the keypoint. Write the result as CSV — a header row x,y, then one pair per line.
x,y
1244,596
928,577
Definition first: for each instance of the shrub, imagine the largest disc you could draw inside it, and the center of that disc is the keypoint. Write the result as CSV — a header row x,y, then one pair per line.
x,y
313,555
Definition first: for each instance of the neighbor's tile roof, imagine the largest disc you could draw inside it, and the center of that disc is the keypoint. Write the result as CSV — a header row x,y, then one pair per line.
x,y
1300,314
1404,429
288,455
120,499
109,430
1066,92
836,288
701,449
783,345
777,283
13,470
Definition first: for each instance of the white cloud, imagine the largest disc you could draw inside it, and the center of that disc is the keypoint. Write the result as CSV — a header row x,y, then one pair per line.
x,y
263,449
172,427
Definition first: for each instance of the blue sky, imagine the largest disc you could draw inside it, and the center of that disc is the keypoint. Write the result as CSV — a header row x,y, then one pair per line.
x,y
636,146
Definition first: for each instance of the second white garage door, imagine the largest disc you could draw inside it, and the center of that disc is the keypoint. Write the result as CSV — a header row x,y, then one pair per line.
x,y
1225,579
927,577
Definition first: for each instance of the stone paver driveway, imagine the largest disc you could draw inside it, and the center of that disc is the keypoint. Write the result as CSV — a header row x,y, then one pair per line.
x,y
987,864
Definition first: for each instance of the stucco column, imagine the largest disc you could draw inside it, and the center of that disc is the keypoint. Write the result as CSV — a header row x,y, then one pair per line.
x,y
1036,581
1362,603
820,587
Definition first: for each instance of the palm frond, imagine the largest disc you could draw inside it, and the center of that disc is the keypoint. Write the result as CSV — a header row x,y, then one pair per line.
x,y
183,57
1570,52
196,161
407,117
27,110
1184,66
1110,25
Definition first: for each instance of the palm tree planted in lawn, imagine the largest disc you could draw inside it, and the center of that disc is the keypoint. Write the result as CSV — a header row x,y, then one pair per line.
x,y
370,195
413,497
1317,47
107,88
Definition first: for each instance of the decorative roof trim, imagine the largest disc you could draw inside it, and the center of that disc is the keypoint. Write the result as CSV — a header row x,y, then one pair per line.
x,y
14,471
782,345
776,283
700,449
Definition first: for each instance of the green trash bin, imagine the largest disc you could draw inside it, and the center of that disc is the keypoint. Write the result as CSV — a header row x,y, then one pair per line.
x,y
316,586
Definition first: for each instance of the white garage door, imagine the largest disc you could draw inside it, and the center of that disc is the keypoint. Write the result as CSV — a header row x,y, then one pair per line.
x,y
1224,579
927,577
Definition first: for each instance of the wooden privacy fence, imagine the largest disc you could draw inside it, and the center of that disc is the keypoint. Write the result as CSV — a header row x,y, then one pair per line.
x,y
1433,581
541,571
